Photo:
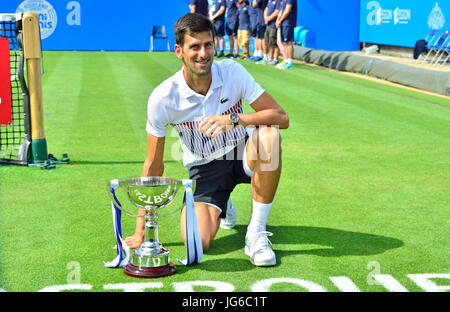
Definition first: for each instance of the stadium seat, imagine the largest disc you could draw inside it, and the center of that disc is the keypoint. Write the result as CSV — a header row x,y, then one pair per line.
x,y
431,35
307,38
443,52
436,46
423,45
159,32
429,40
297,31
447,58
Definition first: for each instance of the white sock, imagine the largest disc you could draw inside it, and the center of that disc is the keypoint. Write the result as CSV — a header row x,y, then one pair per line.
x,y
289,61
260,214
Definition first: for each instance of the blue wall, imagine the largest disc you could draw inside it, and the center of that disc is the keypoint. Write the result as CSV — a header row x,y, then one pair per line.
x,y
101,24
402,22
119,25
334,23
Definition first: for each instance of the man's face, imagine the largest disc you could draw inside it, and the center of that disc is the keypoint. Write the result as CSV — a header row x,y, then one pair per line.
x,y
197,53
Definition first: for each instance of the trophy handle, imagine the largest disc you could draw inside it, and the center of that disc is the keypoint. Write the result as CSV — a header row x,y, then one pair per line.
x,y
112,194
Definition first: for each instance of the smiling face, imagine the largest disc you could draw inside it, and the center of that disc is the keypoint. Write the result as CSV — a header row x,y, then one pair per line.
x,y
197,53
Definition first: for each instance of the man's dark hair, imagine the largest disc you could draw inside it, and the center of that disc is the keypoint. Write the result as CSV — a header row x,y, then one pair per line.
x,y
191,23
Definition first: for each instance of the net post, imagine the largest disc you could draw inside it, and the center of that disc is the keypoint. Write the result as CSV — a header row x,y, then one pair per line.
x,y
32,54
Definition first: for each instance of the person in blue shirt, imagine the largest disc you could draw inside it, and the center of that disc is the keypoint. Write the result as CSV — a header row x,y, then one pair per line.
x,y
199,6
270,35
286,21
260,26
252,15
231,27
218,18
279,6
244,27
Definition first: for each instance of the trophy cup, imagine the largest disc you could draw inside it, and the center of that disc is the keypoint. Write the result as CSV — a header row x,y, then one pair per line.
x,y
153,194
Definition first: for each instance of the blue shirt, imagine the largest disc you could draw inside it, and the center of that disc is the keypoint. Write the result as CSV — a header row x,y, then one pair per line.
x,y
291,20
272,5
232,12
244,17
260,11
201,6
216,5
252,13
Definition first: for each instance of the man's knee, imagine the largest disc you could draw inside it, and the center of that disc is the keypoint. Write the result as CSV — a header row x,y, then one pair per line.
x,y
268,142
206,242
265,148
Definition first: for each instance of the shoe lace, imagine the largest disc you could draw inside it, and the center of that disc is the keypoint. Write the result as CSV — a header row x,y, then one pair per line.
x,y
262,240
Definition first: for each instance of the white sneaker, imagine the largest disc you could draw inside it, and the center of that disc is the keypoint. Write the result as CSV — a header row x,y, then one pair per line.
x,y
230,220
280,65
259,248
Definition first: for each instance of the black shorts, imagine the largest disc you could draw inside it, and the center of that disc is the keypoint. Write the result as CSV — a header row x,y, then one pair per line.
x,y
260,30
232,28
219,28
217,179
287,33
253,30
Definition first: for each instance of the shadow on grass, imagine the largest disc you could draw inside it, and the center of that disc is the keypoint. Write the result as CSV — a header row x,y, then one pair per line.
x,y
331,242
112,162
322,242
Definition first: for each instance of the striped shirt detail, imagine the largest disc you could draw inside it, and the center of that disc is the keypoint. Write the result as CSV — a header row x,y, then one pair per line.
x,y
202,146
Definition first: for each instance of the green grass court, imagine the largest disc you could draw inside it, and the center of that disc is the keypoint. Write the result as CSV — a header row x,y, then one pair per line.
x,y
364,189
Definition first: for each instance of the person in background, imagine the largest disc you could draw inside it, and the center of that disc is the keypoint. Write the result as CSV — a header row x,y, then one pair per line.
x,y
252,16
270,35
280,49
244,28
286,21
260,26
218,18
231,27
199,6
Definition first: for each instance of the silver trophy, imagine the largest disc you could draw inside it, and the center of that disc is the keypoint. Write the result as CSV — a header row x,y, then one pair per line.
x,y
154,195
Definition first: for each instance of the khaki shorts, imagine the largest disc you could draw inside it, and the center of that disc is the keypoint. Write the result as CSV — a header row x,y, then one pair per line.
x,y
244,38
270,37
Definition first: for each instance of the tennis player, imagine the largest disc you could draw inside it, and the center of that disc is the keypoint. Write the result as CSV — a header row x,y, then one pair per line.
x,y
222,145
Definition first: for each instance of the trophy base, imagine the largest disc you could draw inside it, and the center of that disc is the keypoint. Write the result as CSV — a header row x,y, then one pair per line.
x,y
154,272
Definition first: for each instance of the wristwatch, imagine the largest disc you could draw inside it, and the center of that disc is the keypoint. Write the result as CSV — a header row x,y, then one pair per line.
x,y
234,118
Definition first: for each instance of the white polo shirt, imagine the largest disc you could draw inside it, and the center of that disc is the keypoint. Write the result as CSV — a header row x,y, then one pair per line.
x,y
174,102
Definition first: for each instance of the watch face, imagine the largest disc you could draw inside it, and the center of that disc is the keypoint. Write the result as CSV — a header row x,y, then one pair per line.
x,y
234,118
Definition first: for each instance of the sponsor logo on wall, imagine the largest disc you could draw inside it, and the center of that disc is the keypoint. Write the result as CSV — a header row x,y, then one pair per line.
x,y
436,19
379,15
48,18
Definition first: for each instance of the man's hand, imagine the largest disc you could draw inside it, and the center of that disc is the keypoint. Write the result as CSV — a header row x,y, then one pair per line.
x,y
134,241
214,125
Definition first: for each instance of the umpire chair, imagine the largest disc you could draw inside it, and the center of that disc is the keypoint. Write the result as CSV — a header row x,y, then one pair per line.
x,y
159,32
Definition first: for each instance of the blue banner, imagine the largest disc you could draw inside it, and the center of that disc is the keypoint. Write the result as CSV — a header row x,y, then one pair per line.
x,y
333,24
100,24
402,22
126,26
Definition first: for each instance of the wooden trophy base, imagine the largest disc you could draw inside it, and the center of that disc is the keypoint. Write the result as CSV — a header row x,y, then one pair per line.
x,y
140,272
